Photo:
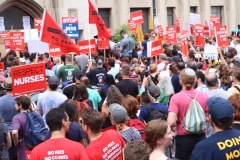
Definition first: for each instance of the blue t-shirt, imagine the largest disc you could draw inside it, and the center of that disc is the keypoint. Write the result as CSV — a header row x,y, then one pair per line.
x,y
75,132
176,84
144,114
144,45
222,145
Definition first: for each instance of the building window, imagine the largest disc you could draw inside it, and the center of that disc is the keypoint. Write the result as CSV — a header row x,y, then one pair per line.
x,y
217,11
72,12
193,10
105,14
145,11
170,16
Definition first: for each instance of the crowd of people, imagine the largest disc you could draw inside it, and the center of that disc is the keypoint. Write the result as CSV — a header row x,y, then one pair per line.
x,y
127,105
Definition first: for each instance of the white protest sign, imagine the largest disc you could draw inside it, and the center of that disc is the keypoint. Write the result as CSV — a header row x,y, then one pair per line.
x,y
26,22
30,34
42,48
2,26
210,52
194,18
149,48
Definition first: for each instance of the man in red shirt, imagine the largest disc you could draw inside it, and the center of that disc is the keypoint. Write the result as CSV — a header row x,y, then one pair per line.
x,y
58,147
103,145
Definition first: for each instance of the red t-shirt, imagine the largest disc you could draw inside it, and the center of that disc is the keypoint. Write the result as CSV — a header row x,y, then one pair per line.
x,y
59,148
108,146
179,104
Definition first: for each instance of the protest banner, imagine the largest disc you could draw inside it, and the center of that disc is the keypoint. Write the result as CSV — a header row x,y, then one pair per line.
x,y
42,46
194,18
7,43
210,52
2,66
110,31
52,33
154,48
2,26
4,35
222,38
28,153
184,44
171,35
160,32
55,51
30,34
26,22
38,23
103,43
137,17
199,36
17,40
177,24
214,22
84,46
70,26
28,78
132,25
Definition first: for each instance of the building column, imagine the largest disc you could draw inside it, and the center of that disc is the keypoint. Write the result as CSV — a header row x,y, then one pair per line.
x,y
161,13
183,11
231,11
205,10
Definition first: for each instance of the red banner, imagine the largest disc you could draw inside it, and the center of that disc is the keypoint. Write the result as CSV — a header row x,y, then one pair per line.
x,y
222,38
17,41
137,17
132,25
192,28
171,35
199,36
206,31
2,65
28,78
55,51
84,46
4,35
214,21
156,48
160,32
38,23
184,38
7,43
28,153
53,34
103,44
177,24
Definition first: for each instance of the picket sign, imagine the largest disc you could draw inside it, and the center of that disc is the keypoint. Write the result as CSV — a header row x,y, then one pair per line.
x,y
210,52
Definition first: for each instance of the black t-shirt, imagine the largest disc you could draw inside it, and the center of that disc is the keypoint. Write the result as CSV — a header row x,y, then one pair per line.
x,y
142,75
128,86
68,91
97,77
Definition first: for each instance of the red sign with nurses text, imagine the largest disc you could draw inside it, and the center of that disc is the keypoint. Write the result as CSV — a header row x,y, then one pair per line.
x,y
38,23
103,43
137,17
28,78
214,22
171,35
184,38
17,40
156,48
84,46
199,36
7,43
222,38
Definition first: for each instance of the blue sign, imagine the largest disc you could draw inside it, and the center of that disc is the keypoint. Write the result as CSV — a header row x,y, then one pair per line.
x,y
71,29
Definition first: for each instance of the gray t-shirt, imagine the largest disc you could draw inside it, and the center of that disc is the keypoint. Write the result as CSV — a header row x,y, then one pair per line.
x,y
219,93
127,44
49,100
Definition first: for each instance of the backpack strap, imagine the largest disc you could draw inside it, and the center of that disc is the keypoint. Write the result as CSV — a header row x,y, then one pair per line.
x,y
189,96
237,88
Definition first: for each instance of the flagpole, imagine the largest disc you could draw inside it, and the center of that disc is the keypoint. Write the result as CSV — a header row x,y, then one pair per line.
x,y
90,53
41,31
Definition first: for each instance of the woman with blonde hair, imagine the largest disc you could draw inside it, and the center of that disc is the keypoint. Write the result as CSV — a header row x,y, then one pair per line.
x,y
159,136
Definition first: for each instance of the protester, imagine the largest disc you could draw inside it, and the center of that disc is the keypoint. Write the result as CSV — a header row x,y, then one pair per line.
x,y
235,101
58,147
221,114
108,144
159,136
81,60
200,84
144,45
236,80
114,70
103,90
19,125
126,45
51,98
5,141
137,150
178,107
55,68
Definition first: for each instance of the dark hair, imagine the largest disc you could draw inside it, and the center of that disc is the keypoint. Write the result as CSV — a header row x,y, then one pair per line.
x,y
224,123
192,65
114,95
200,75
111,62
123,32
32,57
235,101
54,119
150,30
53,87
236,74
78,75
180,66
191,55
146,36
63,57
172,68
93,119
168,52
131,104
118,77
174,52
144,60
80,92
137,150
46,54
70,107
145,97
116,55
26,54
24,101
212,81
109,79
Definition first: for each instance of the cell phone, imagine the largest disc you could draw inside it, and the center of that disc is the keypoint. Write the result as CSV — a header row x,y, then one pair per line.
x,y
146,73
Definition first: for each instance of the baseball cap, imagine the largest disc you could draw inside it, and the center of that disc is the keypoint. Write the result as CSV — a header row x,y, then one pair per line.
x,y
215,62
99,63
219,108
154,91
53,81
163,56
165,45
176,59
118,112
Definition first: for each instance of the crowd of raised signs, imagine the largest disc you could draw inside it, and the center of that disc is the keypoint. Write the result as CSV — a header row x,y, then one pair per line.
x,y
122,104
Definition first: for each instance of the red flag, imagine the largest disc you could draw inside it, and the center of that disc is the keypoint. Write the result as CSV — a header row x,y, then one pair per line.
x,y
52,33
95,18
